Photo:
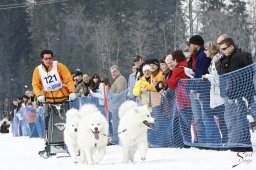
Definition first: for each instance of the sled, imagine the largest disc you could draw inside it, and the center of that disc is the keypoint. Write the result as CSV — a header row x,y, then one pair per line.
x,y
55,119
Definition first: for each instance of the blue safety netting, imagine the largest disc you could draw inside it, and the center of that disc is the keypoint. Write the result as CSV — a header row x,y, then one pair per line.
x,y
219,108
212,113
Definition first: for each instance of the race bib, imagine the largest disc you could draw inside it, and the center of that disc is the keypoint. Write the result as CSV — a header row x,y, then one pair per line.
x,y
51,80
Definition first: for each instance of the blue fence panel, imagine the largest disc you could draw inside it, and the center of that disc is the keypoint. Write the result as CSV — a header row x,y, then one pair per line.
x,y
224,125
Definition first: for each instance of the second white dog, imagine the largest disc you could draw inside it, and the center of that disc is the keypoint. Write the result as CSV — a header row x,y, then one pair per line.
x,y
92,135
70,132
134,123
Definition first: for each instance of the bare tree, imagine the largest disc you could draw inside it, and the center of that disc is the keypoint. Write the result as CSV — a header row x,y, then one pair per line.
x,y
190,14
215,23
106,43
164,32
140,34
44,28
77,29
179,27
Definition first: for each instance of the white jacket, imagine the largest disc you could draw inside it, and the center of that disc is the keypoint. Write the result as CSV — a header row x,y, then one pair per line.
x,y
213,77
99,94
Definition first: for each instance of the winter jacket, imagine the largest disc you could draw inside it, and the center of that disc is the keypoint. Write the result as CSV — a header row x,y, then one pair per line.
x,y
141,83
82,89
154,79
202,63
232,82
155,96
180,92
120,84
177,74
238,59
213,77
59,95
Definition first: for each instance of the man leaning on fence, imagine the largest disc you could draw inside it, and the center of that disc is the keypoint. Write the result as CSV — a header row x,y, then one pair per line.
x,y
117,95
236,109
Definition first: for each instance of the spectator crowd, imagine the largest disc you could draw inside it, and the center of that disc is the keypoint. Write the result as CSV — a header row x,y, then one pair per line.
x,y
193,94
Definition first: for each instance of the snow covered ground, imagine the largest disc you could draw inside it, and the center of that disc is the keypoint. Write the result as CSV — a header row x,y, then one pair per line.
x,y
20,153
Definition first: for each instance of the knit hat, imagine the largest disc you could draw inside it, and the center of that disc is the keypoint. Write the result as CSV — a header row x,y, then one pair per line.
x,y
146,67
197,40
154,61
78,73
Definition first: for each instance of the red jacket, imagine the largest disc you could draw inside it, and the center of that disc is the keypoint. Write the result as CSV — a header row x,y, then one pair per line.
x,y
177,74
181,94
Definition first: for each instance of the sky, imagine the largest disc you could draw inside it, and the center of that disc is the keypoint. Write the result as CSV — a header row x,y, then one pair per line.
x,y
21,153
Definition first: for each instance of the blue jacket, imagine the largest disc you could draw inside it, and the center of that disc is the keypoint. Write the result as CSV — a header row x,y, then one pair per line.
x,y
202,63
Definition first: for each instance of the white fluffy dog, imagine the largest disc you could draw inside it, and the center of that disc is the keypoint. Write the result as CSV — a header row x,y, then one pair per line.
x,y
92,135
134,123
70,132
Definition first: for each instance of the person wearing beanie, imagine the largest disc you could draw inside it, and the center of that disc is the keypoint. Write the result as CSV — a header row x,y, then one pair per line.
x,y
146,67
78,73
156,74
201,107
139,87
78,77
196,40
155,66
196,43
154,102
155,62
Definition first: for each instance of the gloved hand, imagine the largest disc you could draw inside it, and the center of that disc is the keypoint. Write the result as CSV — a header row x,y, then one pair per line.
x,y
72,96
159,86
41,99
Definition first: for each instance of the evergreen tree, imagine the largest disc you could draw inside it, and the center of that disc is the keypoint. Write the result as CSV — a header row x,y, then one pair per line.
x,y
16,44
208,5
240,31
140,34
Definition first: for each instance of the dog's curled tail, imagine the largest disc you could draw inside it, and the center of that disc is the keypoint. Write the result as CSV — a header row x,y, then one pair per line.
x,y
127,105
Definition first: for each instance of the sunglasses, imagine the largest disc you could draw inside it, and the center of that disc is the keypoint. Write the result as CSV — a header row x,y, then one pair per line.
x,y
47,58
223,49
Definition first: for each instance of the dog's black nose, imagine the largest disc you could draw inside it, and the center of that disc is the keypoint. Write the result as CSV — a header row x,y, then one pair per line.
x,y
75,129
96,129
